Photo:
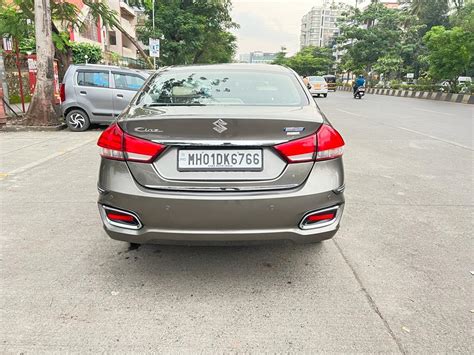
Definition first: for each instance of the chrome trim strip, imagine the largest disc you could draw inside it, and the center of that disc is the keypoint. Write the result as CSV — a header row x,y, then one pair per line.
x,y
321,224
222,189
340,189
220,143
116,224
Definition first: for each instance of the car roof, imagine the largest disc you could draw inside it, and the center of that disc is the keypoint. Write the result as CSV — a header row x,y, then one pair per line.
x,y
104,66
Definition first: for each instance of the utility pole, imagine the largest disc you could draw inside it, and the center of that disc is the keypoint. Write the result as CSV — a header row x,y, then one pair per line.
x,y
153,19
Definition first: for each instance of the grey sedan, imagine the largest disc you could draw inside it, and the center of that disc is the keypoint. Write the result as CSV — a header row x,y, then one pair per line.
x,y
217,154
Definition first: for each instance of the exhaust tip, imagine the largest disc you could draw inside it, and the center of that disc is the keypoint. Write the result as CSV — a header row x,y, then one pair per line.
x,y
120,218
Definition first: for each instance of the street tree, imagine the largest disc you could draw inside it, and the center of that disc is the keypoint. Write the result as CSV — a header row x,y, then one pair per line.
x,y
308,61
381,36
68,15
193,31
41,110
451,53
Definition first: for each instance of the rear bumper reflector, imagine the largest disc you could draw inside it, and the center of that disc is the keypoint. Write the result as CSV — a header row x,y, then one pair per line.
x,y
320,218
120,218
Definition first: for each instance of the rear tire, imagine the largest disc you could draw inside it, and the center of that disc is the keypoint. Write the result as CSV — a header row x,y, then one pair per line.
x,y
325,95
77,120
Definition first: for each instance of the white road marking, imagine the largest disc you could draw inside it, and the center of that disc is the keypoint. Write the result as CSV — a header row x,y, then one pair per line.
x,y
49,157
349,113
434,137
431,111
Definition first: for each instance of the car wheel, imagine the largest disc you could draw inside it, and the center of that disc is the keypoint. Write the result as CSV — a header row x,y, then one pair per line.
x,y
325,95
77,120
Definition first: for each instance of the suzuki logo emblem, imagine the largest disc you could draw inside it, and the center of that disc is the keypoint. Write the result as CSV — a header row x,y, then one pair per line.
x,y
220,126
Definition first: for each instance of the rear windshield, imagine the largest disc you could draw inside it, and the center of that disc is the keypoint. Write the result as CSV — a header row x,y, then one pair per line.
x,y
213,87
314,79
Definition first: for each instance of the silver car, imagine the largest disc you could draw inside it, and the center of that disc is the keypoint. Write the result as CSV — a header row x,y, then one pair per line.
x,y
228,153
97,93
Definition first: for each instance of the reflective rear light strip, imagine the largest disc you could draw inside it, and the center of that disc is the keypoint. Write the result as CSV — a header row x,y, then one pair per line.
x,y
104,211
120,217
336,211
320,217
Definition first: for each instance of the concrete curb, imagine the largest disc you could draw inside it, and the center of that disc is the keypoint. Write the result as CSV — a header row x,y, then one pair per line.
x,y
438,96
21,128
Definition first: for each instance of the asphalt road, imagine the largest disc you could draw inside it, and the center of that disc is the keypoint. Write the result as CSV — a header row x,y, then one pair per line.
x,y
396,278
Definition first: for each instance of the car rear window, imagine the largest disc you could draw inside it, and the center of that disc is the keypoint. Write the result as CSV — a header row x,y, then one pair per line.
x,y
93,78
314,79
232,87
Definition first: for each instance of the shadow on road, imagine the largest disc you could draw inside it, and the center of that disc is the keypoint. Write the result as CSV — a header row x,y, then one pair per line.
x,y
237,266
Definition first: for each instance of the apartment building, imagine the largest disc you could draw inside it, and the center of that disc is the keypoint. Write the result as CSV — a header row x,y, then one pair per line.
x,y
109,39
318,26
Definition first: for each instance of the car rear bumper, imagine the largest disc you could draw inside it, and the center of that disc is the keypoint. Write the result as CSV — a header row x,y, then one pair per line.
x,y
221,218
318,91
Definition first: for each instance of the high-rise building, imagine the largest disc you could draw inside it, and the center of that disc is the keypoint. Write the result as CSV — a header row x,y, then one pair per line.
x,y
318,26
257,57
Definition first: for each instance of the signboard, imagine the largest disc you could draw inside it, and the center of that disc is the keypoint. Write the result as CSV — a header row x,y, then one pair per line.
x,y
154,46
410,75
32,70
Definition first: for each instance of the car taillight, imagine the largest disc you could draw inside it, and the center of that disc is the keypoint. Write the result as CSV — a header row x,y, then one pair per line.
x,y
298,150
330,143
62,92
118,145
325,144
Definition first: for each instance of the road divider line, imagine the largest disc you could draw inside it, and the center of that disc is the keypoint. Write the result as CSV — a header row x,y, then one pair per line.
x,y
434,137
349,113
431,111
49,157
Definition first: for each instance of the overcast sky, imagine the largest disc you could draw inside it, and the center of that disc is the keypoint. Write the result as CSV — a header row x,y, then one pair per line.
x,y
266,25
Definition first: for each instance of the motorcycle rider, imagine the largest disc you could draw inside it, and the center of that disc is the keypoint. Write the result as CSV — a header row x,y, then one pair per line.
x,y
360,81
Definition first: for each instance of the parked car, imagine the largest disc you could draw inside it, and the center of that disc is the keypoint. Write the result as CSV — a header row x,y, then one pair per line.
x,y
331,81
224,153
97,93
318,86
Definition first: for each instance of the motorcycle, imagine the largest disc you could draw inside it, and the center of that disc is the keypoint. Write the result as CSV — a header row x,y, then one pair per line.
x,y
359,92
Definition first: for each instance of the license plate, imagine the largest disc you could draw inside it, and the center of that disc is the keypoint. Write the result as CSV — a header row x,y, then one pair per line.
x,y
220,160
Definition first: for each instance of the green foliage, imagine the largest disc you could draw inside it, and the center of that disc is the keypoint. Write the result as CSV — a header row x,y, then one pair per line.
x,y
193,31
431,12
80,50
388,64
378,38
464,18
451,52
14,23
309,61
27,45
280,58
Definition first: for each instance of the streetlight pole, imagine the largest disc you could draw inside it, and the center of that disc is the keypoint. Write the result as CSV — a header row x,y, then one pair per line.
x,y
153,19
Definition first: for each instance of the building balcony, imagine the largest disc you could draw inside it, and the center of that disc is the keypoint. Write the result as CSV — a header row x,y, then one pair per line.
x,y
127,9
